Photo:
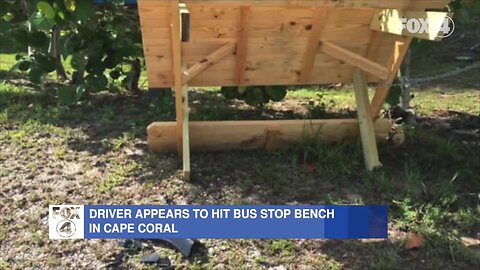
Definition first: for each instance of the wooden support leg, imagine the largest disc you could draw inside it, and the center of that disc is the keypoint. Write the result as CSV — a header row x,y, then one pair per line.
x,y
367,132
181,91
185,131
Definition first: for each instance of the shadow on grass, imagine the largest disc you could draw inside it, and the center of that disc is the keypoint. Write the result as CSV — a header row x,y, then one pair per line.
x,y
375,254
109,119
431,183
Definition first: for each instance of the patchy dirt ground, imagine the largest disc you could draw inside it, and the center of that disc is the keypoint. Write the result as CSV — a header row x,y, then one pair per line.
x,y
96,153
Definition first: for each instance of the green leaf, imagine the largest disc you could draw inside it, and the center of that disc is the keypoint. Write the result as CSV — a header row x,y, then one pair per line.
x,y
39,40
8,16
96,66
61,15
21,36
393,97
70,5
36,75
95,49
254,96
78,61
84,10
98,82
41,22
112,60
24,65
72,44
115,74
230,92
70,94
46,9
276,93
46,63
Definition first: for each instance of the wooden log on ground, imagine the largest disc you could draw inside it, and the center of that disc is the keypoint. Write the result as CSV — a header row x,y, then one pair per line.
x,y
223,135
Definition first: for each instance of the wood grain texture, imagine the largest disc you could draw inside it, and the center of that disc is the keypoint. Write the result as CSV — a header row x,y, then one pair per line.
x,y
367,131
400,49
208,61
354,59
417,4
275,39
270,134
320,18
242,45
185,132
175,39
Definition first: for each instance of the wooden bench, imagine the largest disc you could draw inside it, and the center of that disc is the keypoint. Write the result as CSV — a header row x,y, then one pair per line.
x,y
277,42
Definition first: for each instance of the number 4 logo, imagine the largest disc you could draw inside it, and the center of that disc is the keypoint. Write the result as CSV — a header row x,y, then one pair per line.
x,y
447,28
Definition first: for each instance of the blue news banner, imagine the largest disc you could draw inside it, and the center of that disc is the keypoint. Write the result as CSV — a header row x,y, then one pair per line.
x,y
217,221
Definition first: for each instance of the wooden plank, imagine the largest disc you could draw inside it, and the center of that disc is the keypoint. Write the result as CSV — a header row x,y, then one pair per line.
x,y
276,44
242,45
319,20
375,43
367,132
399,51
401,4
185,131
353,59
273,138
208,61
223,135
391,21
175,39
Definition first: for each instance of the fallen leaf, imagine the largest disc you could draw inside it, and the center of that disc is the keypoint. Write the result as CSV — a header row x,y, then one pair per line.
x,y
414,241
310,167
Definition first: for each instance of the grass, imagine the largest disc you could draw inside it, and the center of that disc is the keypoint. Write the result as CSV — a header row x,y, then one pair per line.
x,y
7,61
94,152
430,182
440,99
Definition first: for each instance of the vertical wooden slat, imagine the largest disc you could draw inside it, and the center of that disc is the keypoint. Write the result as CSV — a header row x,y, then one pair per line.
x,y
185,131
381,93
319,21
367,132
242,45
176,43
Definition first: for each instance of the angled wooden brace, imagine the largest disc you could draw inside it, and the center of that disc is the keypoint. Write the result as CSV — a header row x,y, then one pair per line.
x,y
208,61
353,59
399,51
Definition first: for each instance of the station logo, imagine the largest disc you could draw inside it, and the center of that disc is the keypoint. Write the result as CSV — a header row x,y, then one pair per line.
x,y
66,221
421,26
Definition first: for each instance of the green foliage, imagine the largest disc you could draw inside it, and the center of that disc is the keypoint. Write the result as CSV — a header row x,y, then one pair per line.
x,y
276,93
465,10
41,22
255,95
69,94
97,40
394,95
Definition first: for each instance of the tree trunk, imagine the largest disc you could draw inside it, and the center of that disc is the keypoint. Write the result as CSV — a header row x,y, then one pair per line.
x,y
54,52
406,95
135,75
